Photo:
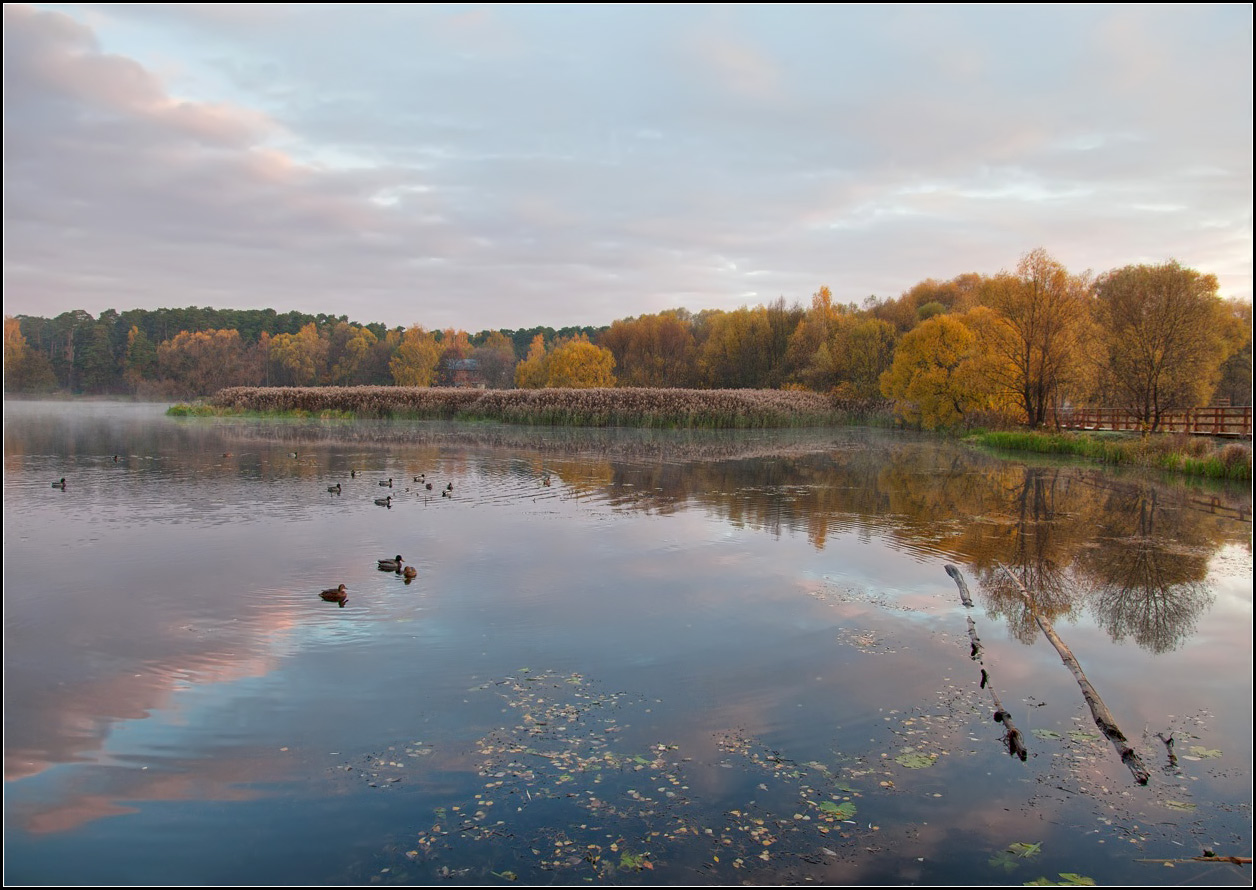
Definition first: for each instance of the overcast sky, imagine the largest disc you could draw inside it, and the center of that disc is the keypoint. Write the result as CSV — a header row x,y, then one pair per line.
x,y
509,166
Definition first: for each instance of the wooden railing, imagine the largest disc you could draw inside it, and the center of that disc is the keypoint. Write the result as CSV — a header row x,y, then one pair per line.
x,y
1222,420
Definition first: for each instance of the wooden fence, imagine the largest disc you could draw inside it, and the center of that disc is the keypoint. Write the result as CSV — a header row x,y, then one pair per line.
x,y
1223,420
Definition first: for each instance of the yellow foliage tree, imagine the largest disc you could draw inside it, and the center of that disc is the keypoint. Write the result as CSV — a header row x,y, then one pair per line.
x,y
578,364
530,373
301,356
936,377
415,359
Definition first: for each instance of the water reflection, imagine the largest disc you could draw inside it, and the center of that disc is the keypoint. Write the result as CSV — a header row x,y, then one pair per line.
x,y
164,610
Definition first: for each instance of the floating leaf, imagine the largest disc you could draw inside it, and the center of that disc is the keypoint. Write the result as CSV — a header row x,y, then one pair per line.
x,y
1046,734
1079,735
630,861
1204,752
1180,805
914,761
1024,851
1004,860
1069,879
840,811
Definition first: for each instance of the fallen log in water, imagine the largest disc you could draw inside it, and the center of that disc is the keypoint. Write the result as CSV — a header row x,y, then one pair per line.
x,y
1207,857
1012,736
1103,717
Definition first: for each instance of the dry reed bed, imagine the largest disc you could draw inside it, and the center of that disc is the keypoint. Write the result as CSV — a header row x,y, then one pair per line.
x,y
684,408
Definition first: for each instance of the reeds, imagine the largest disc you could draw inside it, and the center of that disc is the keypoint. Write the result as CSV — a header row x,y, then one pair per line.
x,y
635,407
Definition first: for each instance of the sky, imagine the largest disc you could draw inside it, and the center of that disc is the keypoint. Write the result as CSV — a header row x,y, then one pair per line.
x,y
481,167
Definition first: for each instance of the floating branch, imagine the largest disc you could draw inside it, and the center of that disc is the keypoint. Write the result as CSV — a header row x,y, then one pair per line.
x,y
1168,744
1208,856
1012,736
963,587
1103,717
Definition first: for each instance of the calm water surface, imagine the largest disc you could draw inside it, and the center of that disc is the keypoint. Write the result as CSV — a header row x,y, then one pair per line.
x,y
711,659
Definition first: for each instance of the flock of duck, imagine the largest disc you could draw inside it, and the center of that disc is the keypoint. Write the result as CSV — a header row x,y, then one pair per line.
x,y
340,594
409,573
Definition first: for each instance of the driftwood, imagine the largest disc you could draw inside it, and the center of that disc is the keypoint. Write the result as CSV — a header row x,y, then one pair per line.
x,y
1168,744
1012,736
1207,857
1103,717
963,587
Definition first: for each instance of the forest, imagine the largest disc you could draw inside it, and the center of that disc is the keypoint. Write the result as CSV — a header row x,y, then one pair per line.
x,y
1007,347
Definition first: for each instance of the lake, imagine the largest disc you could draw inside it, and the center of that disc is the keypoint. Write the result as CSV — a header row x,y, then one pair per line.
x,y
628,657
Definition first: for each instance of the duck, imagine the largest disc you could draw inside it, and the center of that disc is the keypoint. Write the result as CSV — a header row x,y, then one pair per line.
x,y
292,454
410,573
446,493
428,486
60,485
384,502
391,565
449,487
387,484
420,477
353,474
115,458
334,489
546,480
335,595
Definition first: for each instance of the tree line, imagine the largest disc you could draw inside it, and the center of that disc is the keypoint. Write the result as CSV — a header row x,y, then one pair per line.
x,y
1014,345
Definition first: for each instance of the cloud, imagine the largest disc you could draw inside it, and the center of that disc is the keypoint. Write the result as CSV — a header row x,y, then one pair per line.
x,y
512,166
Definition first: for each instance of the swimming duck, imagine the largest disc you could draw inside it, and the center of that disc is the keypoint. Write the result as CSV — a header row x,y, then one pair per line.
x,y
292,454
428,486
353,474
387,484
335,595
449,487
334,489
410,573
546,480
384,502
446,493
420,477
60,485
391,565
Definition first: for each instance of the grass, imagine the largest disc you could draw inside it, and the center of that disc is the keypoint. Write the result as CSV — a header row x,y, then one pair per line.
x,y
633,407
1180,453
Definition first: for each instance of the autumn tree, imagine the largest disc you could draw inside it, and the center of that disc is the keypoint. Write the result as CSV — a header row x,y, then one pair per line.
x,y
937,377
653,350
531,372
455,349
25,370
809,357
1045,322
414,361
300,357
1164,332
1235,385
579,364
496,359
737,352
141,358
349,353
863,350
204,362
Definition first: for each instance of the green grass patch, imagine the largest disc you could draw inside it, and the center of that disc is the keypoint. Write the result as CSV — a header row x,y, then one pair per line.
x,y
1177,453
